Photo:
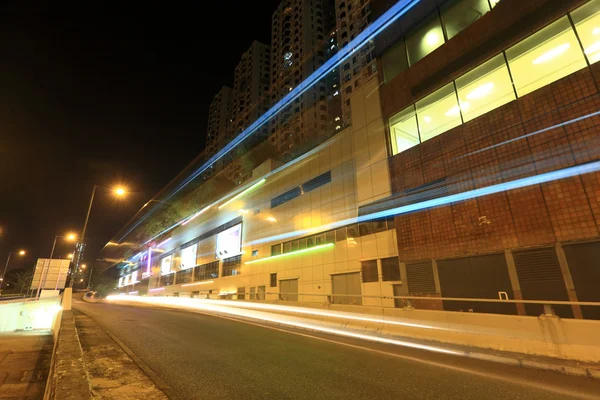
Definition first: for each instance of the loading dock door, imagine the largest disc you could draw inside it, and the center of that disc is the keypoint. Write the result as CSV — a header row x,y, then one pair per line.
x,y
477,277
288,290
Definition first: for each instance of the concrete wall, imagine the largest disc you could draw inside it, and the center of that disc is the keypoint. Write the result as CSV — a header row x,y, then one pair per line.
x,y
28,315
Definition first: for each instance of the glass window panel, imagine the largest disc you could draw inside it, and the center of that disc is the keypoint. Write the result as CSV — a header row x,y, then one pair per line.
x,y
310,241
458,14
545,57
330,237
587,22
485,88
287,247
276,249
379,225
294,245
439,112
340,234
424,39
369,271
394,60
301,244
320,239
404,130
353,231
365,228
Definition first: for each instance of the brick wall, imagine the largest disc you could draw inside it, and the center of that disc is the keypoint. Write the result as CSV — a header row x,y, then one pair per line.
x,y
563,210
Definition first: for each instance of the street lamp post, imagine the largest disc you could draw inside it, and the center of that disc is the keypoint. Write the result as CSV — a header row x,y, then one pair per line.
x,y
119,191
21,253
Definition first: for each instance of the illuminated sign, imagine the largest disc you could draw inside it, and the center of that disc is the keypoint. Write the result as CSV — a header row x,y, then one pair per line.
x,y
188,257
229,242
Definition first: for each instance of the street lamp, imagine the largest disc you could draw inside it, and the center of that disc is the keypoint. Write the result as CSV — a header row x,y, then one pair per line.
x,y
21,253
69,237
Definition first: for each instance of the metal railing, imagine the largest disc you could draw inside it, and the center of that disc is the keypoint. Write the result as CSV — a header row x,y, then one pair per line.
x,y
408,301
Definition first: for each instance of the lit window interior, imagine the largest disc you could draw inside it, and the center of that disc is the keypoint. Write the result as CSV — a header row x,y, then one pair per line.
x,y
545,57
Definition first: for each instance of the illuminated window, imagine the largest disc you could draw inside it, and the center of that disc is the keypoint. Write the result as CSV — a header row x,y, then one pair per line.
x,y
458,14
587,24
404,130
485,88
424,39
232,266
545,57
439,112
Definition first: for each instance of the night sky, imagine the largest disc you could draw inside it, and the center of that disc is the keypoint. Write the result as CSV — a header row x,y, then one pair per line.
x,y
94,93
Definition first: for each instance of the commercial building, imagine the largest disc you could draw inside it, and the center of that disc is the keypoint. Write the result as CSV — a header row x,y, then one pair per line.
x,y
468,169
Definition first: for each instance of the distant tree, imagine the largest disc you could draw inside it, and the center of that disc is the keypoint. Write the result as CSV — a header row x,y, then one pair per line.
x,y
23,280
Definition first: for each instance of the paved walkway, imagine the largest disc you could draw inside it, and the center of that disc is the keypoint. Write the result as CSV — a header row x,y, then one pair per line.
x,y
24,364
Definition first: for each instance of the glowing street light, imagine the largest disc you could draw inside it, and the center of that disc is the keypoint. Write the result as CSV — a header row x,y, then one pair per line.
x,y
21,252
118,191
83,266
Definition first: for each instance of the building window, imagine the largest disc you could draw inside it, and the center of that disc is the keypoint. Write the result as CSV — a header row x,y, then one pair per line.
x,y
587,23
369,271
545,57
458,14
273,282
252,293
261,293
390,269
340,234
241,293
207,271
232,266
485,88
184,276
276,249
404,130
438,112
424,39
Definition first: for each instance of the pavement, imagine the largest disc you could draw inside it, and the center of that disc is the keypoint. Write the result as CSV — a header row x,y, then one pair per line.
x,y
197,356
24,364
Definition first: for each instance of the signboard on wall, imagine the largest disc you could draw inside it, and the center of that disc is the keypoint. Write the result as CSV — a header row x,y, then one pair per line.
x,y
50,274
229,242
188,256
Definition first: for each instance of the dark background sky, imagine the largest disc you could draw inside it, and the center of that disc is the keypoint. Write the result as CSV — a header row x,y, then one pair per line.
x,y
104,93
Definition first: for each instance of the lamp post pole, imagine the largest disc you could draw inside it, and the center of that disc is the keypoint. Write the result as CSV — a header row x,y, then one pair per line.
x,y
80,248
4,273
44,271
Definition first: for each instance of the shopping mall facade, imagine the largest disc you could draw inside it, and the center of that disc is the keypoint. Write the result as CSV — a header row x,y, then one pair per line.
x,y
468,169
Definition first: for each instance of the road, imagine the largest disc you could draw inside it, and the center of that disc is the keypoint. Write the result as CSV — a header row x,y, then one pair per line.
x,y
202,356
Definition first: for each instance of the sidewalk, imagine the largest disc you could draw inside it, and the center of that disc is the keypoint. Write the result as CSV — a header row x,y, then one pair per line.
x,y
104,369
24,364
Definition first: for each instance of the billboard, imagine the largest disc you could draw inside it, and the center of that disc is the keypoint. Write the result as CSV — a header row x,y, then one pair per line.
x,y
229,242
53,273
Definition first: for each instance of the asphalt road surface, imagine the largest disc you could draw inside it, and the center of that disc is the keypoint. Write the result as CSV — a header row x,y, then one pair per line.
x,y
202,356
